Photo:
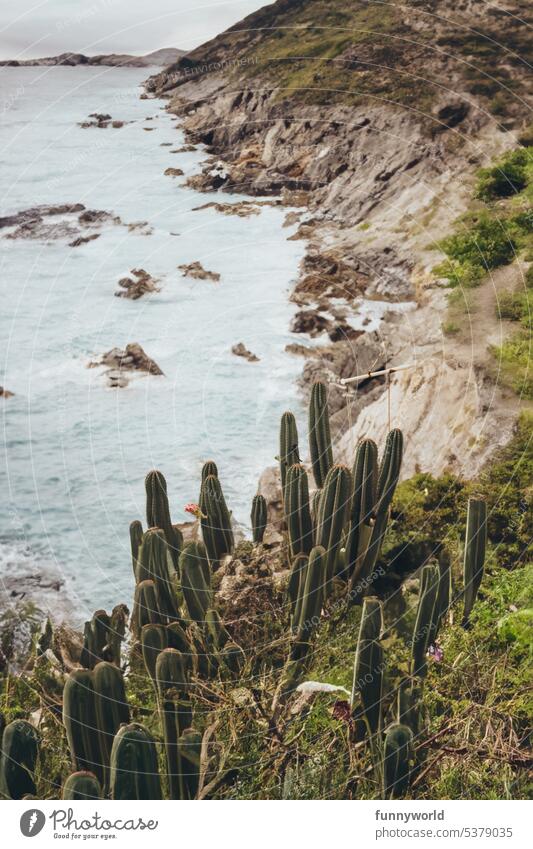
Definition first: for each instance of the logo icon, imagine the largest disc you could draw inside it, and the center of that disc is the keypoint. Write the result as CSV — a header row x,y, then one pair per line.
x,y
32,822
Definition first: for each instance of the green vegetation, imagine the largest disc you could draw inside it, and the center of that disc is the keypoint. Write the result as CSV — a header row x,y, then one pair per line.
x,y
206,704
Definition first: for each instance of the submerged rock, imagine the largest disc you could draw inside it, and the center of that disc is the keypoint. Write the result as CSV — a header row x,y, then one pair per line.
x,y
82,240
241,351
173,172
198,272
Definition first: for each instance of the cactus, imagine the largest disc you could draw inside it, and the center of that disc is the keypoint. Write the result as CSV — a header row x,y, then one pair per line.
x,y
20,748
116,634
368,667
80,721
304,621
134,770
258,518
298,568
474,555
154,638
209,468
425,618
175,712
389,473
155,565
158,513
136,538
112,708
288,447
444,593
408,704
362,505
216,526
297,512
190,748
145,609
95,639
195,581
216,633
81,785
397,753
319,434
331,514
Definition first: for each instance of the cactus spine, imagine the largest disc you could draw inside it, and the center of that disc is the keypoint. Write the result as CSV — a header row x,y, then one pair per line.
x,y
319,434
20,748
134,770
288,447
397,752
297,512
216,526
368,667
81,785
258,518
332,513
195,581
474,556
425,623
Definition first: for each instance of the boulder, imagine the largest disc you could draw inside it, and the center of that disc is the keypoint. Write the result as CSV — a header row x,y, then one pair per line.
x,y
198,272
241,351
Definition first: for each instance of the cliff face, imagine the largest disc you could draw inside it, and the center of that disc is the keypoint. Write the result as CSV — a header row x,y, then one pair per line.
x,y
375,117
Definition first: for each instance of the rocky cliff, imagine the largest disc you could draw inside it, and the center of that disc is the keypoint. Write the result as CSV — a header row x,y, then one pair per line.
x,y
373,119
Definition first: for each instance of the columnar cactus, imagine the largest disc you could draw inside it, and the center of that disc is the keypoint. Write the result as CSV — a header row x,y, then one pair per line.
x,y
368,668
209,468
397,754
190,747
155,565
80,721
425,618
145,609
175,711
20,748
216,526
389,473
319,434
362,506
112,708
95,639
474,554
216,634
297,574
154,638
305,619
136,538
444,593
288,447
332,513
258,518
158,513
134,769
297,512
82,785
195,581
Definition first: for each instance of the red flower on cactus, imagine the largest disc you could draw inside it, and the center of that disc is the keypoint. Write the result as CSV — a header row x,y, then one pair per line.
x,y
195,510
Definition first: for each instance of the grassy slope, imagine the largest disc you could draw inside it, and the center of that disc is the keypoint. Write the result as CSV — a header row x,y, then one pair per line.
x,y
321,52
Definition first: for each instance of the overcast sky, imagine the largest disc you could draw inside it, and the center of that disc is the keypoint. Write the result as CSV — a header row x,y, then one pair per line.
x,y
35,28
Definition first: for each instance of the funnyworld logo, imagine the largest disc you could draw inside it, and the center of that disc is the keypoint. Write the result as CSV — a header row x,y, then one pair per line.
x,y
32,822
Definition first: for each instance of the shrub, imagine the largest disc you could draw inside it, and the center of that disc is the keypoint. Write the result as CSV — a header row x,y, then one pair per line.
x,y
504,179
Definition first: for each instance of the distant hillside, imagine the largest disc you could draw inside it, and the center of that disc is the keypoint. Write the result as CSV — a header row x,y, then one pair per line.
x,y
158,58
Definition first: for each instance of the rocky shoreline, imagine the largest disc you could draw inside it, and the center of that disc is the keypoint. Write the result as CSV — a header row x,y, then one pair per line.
x,y
371,212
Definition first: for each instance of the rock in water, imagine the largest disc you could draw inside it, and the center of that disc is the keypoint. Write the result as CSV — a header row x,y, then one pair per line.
x,y
139,284
241,351
132,358
5,393
198,272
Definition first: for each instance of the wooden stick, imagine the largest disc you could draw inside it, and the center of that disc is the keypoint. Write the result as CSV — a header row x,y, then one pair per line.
x,y
344,380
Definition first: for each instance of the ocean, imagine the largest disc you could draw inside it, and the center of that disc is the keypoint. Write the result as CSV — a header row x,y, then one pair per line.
x,y
74,451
